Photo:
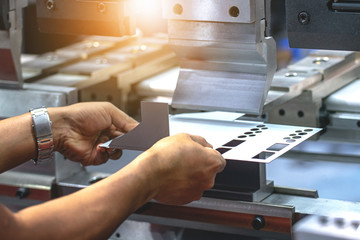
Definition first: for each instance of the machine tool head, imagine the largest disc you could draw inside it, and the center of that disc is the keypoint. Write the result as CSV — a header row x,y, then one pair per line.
x,y
227,60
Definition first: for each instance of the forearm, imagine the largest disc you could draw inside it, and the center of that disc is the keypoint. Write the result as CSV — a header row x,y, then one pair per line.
x,y
16,141
92,213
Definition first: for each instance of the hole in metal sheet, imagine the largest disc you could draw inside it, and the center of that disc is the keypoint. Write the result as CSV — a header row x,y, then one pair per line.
x,y
233,143
242,136
296,137
258,132
249,133
286,138
293,134
260,126
358,123
252,135
223,150
298,131
264,128
263,155
290,141
277,147
355,224
308,130
254,129
282,112
302,134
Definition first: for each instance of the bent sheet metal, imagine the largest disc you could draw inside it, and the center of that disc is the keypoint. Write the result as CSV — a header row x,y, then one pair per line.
x,y
234,139
153,127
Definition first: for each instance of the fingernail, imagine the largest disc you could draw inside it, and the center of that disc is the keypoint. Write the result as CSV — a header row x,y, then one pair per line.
x,y
100,149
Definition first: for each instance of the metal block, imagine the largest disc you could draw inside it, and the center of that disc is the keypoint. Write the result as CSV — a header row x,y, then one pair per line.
x,y
315,25
326,65
16,102
99,69
92,46
336,69
228,55
346,99
31,186
288,84
210,10
49,62
217,90
162,84
63,79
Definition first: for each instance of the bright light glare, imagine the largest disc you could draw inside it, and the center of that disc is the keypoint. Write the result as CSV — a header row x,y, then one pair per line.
x,y
147,6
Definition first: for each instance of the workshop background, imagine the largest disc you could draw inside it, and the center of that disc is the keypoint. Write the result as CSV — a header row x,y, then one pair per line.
x,y
310,88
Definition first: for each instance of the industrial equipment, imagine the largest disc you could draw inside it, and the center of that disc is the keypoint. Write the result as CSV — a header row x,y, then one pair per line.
x,y
220,57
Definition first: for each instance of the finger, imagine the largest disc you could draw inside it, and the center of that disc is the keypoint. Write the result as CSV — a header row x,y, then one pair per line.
x,y
100,157
201,141
197,196
114,154
115,134
121,120
220,158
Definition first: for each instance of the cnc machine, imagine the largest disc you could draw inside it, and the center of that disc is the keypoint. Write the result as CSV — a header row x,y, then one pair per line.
x,y
225,64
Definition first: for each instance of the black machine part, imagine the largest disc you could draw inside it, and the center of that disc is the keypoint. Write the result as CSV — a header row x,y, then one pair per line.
x,y
323,24
4,10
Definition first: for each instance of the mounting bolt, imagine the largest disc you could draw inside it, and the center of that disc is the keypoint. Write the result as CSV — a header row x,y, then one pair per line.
x,y
234,11
304,17
22,192
178,9
50,5
258,222
101,7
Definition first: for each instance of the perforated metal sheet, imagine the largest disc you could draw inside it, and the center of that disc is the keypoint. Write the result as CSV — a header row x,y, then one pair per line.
x,y
241,140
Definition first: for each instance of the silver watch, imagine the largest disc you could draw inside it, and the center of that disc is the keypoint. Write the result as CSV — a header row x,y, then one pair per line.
x,y
43,135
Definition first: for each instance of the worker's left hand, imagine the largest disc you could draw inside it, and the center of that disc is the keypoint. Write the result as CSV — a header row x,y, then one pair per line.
x,y
79,129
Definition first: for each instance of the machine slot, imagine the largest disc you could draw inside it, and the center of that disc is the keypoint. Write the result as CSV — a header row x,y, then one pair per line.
x,y
345,6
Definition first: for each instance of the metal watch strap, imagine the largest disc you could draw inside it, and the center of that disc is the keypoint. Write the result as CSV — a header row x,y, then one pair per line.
x,y
43,135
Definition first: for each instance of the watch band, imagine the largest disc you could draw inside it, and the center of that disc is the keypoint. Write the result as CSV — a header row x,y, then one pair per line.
x,y
43,135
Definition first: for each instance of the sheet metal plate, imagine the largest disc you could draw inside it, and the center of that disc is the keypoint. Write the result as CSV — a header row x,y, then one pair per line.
x,y
241,140
153,127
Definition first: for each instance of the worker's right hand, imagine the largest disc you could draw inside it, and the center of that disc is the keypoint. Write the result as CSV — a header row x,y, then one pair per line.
x,y
182,167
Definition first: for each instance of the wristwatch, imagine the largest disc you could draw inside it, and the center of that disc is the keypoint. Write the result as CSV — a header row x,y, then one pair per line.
x,y
43,135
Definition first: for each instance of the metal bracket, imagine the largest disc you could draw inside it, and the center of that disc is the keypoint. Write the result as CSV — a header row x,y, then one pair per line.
x,y
153,127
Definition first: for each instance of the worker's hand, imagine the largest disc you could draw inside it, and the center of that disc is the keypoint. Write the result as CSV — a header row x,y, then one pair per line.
x,y
79,129
184,166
